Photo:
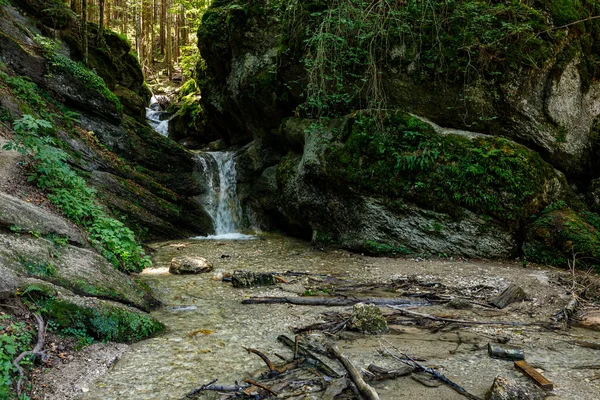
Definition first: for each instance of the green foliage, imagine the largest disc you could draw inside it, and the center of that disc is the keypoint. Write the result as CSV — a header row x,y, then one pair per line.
x,y
560,232
90,79
42,269
15,337
24,89
377,248
69,192
399,156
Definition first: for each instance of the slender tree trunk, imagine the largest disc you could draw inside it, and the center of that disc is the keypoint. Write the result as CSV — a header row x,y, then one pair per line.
x,y
169,44
100,24
163,17
84,35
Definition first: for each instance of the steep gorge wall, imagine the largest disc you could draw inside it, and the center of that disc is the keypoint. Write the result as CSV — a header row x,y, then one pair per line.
x,y
506,70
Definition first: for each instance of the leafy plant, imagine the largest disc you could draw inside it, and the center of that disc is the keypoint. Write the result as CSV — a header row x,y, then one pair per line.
x,y
15,337
70,193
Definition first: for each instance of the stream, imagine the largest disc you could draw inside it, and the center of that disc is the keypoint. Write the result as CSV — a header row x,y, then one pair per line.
x,y
208,327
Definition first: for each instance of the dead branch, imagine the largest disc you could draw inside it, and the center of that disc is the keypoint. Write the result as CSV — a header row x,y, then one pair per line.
x,y
269,363
330,301
310,357
415,314
376,373
364,388
36,352
406,359
219,388
259,385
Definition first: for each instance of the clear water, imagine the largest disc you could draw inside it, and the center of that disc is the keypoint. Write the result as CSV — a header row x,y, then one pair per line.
x,y
156,118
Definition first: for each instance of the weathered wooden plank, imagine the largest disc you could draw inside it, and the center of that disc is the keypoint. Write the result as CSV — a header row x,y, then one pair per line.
x,y
506,352
538,378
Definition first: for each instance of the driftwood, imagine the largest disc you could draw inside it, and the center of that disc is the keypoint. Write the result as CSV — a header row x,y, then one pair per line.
x,y
363,387
311,358
269,363
330,301
219,388
589,345
511,294
407,360
415,314
376,373
36,352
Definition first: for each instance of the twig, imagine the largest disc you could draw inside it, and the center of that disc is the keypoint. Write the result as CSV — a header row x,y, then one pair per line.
x,y
331,301
219,388
250,381
364,388
413,363
36,352
462,321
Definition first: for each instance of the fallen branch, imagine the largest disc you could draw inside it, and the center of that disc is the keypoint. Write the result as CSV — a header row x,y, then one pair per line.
x,y
363,387
310,357
219,388
36,352
415,314
406,359
259,385
269,363
376,373
330,301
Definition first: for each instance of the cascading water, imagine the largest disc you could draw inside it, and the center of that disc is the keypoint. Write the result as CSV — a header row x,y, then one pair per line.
x,y
221,200
157,119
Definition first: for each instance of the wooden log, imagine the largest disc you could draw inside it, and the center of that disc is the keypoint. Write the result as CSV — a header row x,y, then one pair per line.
x,y
589,345
363,387
331,301
511,294
538,378
377,373
505,352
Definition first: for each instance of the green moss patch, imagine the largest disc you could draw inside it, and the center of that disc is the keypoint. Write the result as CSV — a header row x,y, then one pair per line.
x,y
402,157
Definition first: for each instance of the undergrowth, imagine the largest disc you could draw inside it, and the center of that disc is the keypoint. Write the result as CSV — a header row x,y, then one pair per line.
x,y
70,193
15,337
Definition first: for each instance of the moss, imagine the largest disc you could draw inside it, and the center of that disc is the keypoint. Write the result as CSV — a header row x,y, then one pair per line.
x,y
101,320
559,233
402,157
376,248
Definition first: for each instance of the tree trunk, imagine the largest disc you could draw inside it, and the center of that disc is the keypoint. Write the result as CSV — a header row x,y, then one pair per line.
x,y
100,24
84,35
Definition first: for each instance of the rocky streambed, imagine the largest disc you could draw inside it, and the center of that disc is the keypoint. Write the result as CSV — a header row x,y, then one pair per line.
x,y
208,327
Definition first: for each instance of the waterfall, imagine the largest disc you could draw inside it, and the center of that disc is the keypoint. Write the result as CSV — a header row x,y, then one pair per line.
x,y
157,119
221,200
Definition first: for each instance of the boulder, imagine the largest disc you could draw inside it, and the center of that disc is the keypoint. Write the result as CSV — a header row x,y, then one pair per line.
x,y
81,271
184,265
367,318
506,389
590,320
21,216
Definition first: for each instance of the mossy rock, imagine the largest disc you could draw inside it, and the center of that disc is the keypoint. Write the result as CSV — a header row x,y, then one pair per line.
x,y
560,235
102,319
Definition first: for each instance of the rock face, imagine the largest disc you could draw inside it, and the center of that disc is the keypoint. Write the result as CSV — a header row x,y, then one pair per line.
x,y
323,179
189,265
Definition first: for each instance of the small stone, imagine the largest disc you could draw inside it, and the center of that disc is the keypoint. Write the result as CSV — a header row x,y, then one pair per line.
x,y
242,278
367,318
189,265
505,389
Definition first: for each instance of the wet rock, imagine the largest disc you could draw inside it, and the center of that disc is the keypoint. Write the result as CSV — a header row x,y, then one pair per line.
x,y
506,389
184,265
248,279
25,217
367,318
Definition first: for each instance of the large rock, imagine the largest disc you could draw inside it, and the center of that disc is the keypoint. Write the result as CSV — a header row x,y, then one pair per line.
x,y
82,271
21,216
185,265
